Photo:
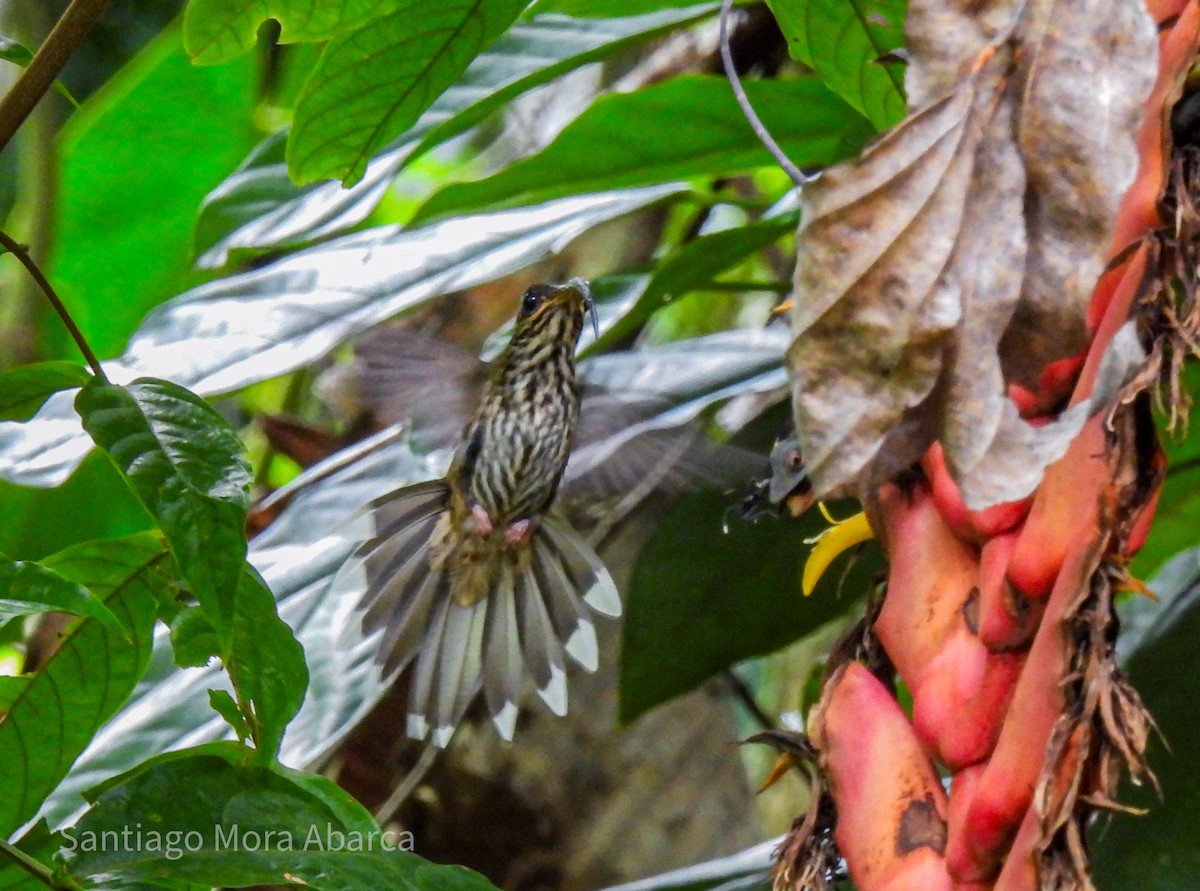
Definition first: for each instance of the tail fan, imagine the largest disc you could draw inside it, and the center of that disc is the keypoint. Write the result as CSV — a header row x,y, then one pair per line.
x,y
536,615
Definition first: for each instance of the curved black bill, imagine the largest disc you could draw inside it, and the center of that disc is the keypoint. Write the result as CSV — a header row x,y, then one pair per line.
x,y
584,290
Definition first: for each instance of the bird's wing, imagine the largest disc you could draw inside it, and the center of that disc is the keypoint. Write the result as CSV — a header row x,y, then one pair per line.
x,y
429,385
626,446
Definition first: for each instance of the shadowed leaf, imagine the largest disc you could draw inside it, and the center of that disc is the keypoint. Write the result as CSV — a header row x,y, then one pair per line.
x,y
1154,850
643,143
27,589
90,675
702,600
217,30
259,206
24,389
254,826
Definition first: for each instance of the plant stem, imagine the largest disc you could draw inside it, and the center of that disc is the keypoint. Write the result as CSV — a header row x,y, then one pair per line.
x,y
18,250
38,77
37,869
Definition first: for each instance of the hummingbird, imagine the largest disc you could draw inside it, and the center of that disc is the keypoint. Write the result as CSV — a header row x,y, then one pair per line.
x,y
472,580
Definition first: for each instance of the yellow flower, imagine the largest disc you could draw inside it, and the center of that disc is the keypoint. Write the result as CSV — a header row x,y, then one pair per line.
x,y
841,536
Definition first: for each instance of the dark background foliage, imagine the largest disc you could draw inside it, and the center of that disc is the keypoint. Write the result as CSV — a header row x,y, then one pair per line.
x,y
183,212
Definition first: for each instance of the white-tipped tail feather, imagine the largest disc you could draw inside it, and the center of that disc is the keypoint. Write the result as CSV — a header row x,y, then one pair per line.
x,y
537,614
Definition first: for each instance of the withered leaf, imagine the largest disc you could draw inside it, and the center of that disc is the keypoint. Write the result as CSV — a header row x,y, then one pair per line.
x,y
958,254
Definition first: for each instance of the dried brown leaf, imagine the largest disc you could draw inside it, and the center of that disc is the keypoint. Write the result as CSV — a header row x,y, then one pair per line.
x,y
958,254
879,291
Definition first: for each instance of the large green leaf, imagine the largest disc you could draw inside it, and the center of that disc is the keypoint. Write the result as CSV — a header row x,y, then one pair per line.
x,y
702,599
843,41
1157,851
27,589
259,206
634,139
373,83
94,503
237,825
218,30
89,676
136,162
25,388
186,465
266,664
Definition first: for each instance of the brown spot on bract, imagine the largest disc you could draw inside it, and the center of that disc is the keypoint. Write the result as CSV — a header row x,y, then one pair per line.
x,y
921,826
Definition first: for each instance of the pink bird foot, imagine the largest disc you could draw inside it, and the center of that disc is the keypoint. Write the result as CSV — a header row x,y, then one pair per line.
x,y
518,533
483,523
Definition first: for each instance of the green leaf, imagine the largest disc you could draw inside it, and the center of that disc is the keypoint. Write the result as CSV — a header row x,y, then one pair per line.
x,y
226,706
95,502
1157,851
89,676
604,8
633,139
701,600
372,84
239,825
37,842
697,263
193,638
185,464
218,30
25,388
266,664
258,206
558,45
843,41
20,54
125,205
27,589
11,689
1176,525
17,53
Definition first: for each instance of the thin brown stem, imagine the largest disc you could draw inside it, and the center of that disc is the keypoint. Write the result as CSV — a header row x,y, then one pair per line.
x,y
739,93
18,250
37,869
38,77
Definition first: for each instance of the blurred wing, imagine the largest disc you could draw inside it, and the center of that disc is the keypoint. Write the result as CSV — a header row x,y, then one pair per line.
x,y
625,441
635,446
428,384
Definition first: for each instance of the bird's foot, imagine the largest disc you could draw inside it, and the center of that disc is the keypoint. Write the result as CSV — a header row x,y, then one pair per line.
x,y
519,532
483,523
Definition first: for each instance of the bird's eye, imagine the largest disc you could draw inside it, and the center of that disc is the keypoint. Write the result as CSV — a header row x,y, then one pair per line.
x,y
531,301
795,460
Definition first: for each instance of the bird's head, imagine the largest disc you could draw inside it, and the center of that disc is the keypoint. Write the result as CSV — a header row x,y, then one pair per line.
x,y
554,314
